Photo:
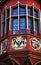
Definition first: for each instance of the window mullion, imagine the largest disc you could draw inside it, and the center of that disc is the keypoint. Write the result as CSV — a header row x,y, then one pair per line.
x,y
5,19
27,15
33,19
10,19
18,15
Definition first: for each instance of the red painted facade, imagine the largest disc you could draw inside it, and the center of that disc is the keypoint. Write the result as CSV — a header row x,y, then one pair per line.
x,y
20,55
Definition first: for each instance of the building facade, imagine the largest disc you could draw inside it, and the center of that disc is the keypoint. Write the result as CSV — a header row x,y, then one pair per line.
x,y
20,35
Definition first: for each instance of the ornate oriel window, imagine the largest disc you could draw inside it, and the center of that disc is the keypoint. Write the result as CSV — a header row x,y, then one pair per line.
x,y
21,14
20,18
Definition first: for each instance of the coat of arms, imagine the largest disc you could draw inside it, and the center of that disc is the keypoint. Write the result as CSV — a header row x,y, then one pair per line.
x,y
18,43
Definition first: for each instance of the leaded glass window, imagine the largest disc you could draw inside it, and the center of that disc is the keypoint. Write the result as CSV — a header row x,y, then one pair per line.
x,y
15,11
22,25
15,26
30,25
36,27
35,13
30,11
22,10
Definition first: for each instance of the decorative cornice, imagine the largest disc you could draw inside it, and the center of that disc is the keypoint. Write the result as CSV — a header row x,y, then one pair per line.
x,y
2,1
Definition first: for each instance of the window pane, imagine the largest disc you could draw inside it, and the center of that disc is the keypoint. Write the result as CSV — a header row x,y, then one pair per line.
x,y
15,11
36,27
30,25
3,16
8,12
15,26
7,26
35,13
30,11
3,28
22,25
22,10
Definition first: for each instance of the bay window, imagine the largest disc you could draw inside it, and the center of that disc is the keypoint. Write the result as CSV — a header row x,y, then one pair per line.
x,y
18,17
